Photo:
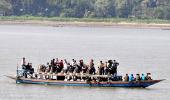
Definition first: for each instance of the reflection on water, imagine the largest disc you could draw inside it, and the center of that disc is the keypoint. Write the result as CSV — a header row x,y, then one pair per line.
x,y
137,50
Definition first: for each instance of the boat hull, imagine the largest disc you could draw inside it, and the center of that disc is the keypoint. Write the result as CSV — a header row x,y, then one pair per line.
x,y
90,84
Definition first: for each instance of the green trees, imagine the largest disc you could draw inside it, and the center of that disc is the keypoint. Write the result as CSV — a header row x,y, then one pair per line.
x,y
5,7
88,8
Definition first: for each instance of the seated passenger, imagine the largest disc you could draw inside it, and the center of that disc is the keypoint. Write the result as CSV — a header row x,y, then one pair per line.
x,y
84,69
74,64
42,68
143,77
148,76
31,69
48,68
70,68
126,78
131,77
137,77
77,69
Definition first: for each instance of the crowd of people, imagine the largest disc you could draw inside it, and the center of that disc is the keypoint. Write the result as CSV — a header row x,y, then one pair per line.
x,y
65,67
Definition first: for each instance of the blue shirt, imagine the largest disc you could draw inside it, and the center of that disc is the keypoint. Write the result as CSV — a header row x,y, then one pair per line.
x,y
143,77
131,78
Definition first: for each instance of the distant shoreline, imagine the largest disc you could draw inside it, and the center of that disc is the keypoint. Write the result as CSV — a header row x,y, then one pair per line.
x,y
165,26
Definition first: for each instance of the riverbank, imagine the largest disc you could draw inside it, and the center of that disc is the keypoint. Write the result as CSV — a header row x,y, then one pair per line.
x,y
87,22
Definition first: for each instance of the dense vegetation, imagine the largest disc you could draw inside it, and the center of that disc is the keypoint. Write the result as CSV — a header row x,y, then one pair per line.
x,y
142,9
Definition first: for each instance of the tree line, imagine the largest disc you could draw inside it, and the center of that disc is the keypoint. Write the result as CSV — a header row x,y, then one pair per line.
x,y
158,9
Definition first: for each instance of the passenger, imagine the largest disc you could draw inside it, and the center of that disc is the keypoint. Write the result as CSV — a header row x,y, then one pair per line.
x,y
70,68
43,68
106,69
131,77
57,61
126,78
48,67
137,77
148,76
53,62
74,64
65,68
101,68
110,67
27,70
143,77
84,69
23,63
60,66
78,69
115,64
81,63
31,69
92,69
53,67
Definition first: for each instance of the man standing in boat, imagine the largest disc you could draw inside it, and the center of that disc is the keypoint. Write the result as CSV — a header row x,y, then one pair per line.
x,y
23,63
115,64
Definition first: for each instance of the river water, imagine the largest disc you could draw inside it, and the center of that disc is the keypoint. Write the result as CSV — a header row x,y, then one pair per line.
x,y
137,50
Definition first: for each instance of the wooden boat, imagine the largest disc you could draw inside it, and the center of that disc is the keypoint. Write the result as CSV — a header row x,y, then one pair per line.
x,y
142,84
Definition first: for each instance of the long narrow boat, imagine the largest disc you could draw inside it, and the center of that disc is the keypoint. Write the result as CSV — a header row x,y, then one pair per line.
x,y
142,84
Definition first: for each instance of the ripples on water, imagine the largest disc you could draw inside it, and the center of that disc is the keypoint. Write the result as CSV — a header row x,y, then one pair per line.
x,y
137,50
